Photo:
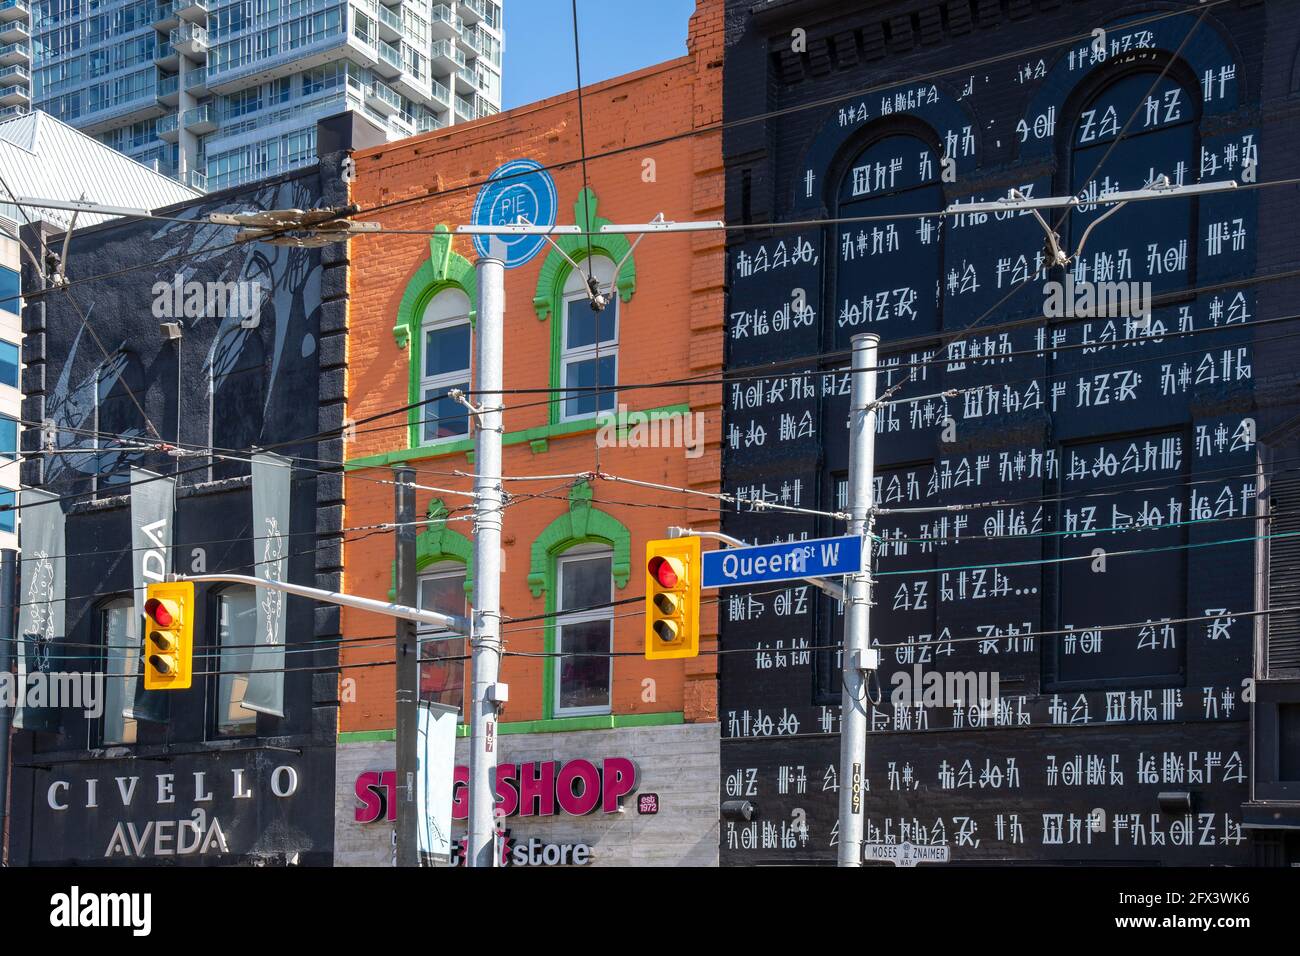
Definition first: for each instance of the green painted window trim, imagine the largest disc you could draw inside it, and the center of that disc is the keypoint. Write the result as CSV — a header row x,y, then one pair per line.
x,y
438,543
444,269
366,736
530,435
549,297
554,725
582,524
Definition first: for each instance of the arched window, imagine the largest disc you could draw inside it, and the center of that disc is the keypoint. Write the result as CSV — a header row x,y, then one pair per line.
x,y
236,394
444,364
589,343
888,272
584,630
442,664
1146,241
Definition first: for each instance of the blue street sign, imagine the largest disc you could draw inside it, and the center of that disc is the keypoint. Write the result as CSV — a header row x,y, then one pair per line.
x,y
788,561
519,188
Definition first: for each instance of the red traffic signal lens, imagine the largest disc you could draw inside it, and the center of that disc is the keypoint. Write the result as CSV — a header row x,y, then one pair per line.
x,y
661,569
158,612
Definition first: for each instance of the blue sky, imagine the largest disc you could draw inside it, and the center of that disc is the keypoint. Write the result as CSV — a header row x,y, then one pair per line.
x,y
617,36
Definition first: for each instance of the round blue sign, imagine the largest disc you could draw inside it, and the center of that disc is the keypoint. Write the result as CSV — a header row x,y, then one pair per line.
x,y
519,188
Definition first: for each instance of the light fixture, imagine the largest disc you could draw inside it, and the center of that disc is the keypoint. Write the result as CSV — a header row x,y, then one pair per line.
x,y
1174,802
738,809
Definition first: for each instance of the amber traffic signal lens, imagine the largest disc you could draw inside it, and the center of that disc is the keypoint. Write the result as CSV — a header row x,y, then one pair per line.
x,y
667,603
165,640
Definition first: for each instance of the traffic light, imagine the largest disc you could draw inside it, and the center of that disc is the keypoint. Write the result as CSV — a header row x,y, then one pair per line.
x,y
672,598
169,636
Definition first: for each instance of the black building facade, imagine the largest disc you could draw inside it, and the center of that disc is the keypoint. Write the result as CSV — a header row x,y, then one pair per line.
x,y
1083,509
188,777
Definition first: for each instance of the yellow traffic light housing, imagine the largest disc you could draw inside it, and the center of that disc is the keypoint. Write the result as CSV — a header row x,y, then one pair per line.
x,y
169,636
672,598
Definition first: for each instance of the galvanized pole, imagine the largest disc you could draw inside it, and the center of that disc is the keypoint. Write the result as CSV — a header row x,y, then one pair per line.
x,y
858,658
8,630
408,667
485,636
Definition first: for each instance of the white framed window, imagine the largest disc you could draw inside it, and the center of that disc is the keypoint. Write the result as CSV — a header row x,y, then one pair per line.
x,y
445,338
236,635
441,653
584,631
121,664
589,345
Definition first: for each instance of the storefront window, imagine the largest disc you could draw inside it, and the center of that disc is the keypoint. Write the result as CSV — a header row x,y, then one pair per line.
x,y
584,632
121,660
442,667
236,632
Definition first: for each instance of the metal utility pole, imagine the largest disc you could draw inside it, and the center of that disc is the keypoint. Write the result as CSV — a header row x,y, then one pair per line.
x,y
485,633
8,631
858,657
408,666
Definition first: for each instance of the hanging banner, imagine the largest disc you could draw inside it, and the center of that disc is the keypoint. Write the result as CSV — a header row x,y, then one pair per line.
x,y
435,763
271,476
153,505
42,592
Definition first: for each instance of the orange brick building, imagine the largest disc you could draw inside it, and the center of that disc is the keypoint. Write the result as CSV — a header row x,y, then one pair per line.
x,y
568,543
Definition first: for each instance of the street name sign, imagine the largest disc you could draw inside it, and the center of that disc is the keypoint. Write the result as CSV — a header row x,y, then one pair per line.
x,y
787,561
903,854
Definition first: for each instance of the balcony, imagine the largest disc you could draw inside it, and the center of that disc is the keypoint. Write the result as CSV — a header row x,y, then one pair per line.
x,y
15,96
190,40
446,56
441,93
168,128
15,31
196,180
383,99
165,56
193,11
15,53
14,10
444,24
390,24
389,65
196,81
472,11
165,17
201,119
168,92
14,74
9,112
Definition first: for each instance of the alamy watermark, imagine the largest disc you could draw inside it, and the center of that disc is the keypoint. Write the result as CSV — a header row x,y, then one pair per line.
x,y
1087,299
41,690
917,688
191,299
626,429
